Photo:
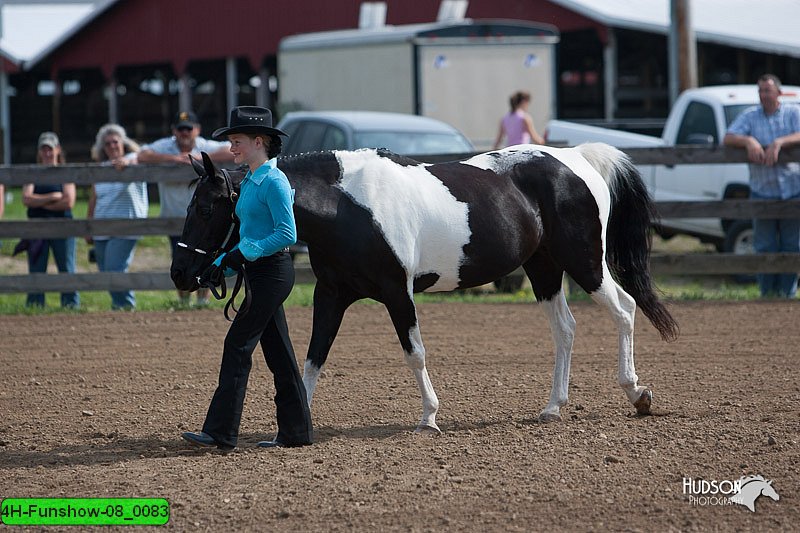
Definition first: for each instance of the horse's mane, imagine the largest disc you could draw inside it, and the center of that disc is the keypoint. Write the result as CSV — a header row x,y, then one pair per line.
x,y
747,479
397,158
310,163
302,156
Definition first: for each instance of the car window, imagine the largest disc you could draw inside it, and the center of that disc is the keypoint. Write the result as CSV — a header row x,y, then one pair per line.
x,y
733,111
308,137
333,139
698,119
290,128
413,143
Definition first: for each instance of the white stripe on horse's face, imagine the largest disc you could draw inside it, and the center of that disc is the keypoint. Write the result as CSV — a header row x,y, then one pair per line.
x,y
423,223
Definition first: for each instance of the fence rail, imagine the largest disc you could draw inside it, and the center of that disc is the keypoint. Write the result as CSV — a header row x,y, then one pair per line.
x,y
50,229
107,281
87,174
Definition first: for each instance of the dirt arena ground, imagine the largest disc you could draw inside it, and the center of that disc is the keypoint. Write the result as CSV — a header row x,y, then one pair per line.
x,y
93,405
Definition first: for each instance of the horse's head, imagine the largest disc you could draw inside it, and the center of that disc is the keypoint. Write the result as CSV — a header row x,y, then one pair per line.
x,y
768,490
211,226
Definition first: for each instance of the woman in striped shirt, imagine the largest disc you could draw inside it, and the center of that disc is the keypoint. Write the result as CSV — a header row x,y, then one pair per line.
x,y
116,200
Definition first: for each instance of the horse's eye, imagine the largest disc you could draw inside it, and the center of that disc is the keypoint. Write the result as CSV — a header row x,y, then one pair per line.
x,y
205,212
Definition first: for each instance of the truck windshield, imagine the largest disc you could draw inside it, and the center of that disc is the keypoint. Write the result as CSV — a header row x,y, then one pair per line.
x,y
733,111
413,143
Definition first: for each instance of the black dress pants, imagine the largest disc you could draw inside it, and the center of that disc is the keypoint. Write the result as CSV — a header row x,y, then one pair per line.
x,y
271,281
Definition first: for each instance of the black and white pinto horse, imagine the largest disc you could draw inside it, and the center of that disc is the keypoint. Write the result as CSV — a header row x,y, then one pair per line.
x,y
383,226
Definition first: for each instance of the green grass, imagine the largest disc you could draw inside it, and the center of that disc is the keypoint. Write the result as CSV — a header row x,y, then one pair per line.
x,y
675,289
93,301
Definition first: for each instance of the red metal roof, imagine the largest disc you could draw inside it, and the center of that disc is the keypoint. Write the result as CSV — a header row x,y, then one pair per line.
x,y
141,32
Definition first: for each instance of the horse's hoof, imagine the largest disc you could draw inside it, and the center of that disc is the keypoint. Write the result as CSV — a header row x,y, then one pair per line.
x,y
642,405
431,430
545,418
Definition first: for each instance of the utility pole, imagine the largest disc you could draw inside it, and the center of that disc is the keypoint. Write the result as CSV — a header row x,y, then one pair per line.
x,y
682,49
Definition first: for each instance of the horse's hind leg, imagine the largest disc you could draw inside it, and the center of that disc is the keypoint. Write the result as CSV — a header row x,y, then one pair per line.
x,y
562,327
330,303
623,310
546,279
404,317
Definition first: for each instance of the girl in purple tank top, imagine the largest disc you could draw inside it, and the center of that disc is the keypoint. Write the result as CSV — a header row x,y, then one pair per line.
x,y
517,125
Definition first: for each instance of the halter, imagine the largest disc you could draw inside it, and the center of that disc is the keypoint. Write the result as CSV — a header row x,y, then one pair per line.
x,y
241,276
232,197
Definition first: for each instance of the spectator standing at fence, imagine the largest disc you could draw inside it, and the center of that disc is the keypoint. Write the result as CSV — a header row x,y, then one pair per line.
x,y
763,130
50,202
266,231
175,197
517,125
116,200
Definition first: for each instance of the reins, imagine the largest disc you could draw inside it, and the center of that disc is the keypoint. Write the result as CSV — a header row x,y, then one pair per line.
x,y
245,307
241,275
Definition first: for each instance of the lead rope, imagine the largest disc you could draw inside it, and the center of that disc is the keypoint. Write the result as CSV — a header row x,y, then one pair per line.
x,y
217,295
241,277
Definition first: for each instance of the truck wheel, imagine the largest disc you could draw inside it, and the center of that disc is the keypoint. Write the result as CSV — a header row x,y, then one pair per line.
x,y
739,240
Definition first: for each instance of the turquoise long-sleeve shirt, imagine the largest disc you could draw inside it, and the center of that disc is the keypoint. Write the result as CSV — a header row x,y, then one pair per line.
x,y
265,213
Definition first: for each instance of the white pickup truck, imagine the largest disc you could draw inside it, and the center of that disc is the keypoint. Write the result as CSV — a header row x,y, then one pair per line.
x,y
699,116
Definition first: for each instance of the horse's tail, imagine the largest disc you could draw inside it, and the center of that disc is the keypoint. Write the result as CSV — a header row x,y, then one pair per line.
x,y
628,237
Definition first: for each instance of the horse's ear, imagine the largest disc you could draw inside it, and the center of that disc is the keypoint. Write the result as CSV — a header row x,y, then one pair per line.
x,y
198,167
208,164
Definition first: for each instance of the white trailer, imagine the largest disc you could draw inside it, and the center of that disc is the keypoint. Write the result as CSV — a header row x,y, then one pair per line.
x,y
462,73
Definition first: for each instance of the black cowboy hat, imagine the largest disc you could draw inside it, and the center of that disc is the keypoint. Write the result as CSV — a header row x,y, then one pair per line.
x,y
248,119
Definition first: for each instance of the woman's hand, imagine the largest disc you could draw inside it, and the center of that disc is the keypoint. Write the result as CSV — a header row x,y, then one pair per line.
x,y
233,260
120,163
212,276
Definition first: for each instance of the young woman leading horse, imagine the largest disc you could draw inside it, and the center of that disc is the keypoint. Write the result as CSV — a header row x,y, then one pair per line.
x,y
267,227
383,226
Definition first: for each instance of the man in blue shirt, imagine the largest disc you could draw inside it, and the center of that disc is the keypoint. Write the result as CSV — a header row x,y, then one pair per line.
x,y
175,197
763,130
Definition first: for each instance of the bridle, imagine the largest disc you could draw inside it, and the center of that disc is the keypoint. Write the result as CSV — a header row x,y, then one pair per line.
x,y
241,275
232,196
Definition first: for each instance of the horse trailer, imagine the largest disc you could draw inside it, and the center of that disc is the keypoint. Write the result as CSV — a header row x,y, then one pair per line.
x,y
462,73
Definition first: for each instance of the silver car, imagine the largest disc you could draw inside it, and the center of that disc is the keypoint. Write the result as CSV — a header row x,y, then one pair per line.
x,y
403,134
413,135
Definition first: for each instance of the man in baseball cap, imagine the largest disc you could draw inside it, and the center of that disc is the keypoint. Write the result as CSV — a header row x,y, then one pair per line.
x,y
173,196
185,119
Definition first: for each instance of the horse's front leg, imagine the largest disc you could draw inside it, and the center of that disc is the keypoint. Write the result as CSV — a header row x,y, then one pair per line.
x,y
404,317
330,303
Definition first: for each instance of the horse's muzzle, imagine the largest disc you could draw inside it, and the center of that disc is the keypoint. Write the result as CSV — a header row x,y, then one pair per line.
x,y
182,281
